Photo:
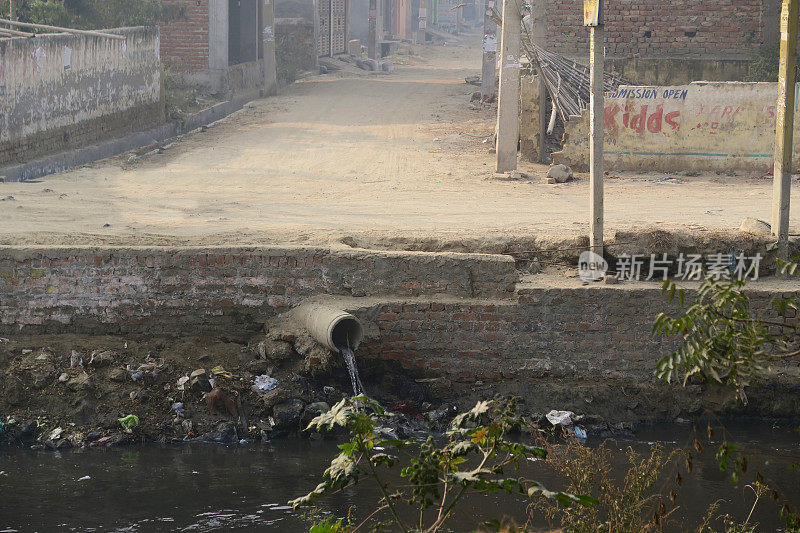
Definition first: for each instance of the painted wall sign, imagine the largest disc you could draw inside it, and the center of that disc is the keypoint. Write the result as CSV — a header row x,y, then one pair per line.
x,y
703,125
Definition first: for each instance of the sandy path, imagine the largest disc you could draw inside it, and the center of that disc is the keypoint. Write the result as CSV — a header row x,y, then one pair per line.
x,y
353,158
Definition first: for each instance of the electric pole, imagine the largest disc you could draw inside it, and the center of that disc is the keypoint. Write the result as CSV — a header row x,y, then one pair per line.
x,y
372,36
489,66
508,98
784,128
268,48
593,17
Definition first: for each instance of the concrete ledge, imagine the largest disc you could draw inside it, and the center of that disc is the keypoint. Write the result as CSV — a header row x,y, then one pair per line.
x,y
175,290
81,156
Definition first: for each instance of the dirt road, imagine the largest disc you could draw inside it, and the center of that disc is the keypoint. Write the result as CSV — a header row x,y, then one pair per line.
x,y
380,159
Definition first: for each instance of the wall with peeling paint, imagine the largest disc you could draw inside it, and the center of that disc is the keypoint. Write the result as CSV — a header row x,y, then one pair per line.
x,y
59,91
722,126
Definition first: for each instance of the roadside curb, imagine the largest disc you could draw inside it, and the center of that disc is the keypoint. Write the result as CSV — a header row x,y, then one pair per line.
x,y
69,159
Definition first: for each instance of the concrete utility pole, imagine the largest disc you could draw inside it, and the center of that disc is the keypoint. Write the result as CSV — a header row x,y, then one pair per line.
x,y
508,99
423,21
268,48
489,67
372,36
784,130
592,17
542,118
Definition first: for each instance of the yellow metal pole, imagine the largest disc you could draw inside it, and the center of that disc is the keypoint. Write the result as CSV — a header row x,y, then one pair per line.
x,y
784,130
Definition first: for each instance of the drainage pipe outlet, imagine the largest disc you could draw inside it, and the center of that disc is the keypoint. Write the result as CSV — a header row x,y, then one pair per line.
x,y
330,327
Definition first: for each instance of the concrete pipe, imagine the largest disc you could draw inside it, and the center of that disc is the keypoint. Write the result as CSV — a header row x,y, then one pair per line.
x,y
330,326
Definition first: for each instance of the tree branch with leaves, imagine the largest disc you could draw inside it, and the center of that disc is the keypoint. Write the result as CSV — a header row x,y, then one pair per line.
x,y
724,339
474,457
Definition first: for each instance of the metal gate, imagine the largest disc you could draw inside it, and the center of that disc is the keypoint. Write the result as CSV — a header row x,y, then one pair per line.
x,y
332,27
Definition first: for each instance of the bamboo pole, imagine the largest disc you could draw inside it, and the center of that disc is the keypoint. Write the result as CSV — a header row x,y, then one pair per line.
x,y
65,30
15,33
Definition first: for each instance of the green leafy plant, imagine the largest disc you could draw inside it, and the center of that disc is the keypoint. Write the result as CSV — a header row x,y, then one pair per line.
x,y
474,457
727,341
724,339
95,14
329,525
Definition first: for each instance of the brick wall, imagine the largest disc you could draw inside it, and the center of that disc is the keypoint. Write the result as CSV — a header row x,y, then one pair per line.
x,y
61,91
560,346
216,290
83,133
673,28
184,42
549,332
557,330
464,319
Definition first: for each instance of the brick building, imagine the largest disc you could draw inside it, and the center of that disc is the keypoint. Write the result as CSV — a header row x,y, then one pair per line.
x,y
655,42
675,28
216,44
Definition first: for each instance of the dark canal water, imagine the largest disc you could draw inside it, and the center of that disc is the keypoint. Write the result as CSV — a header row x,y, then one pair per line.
x,y
245,488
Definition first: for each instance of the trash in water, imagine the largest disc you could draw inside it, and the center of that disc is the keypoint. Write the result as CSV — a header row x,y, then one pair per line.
x,y
56,433
579,432
264,383
84,478
560,418
129,422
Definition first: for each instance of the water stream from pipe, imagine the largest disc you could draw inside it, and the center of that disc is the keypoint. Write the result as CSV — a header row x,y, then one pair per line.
x,y
350,361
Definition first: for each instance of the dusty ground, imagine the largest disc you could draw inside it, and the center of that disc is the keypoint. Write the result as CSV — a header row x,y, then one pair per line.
x,y
376,160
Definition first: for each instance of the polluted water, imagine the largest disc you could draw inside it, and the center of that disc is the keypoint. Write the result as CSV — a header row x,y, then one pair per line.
x,y
350,361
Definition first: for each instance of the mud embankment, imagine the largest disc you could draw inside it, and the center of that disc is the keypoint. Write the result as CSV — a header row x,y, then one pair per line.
x,y
62,391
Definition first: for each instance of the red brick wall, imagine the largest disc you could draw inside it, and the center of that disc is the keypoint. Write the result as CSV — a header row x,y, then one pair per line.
x,y
216,289
550,332
184,43
722,28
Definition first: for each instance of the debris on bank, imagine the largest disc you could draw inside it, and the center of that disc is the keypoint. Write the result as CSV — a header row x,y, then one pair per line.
x,y
57,392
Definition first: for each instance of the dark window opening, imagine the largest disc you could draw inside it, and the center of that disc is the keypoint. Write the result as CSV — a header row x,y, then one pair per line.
x,y
243,31
690,33
648,34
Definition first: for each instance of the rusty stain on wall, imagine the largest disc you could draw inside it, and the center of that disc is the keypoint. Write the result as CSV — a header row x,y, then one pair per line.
x,y
704,125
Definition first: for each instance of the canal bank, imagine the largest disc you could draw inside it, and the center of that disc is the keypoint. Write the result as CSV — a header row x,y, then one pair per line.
x,y
112,332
